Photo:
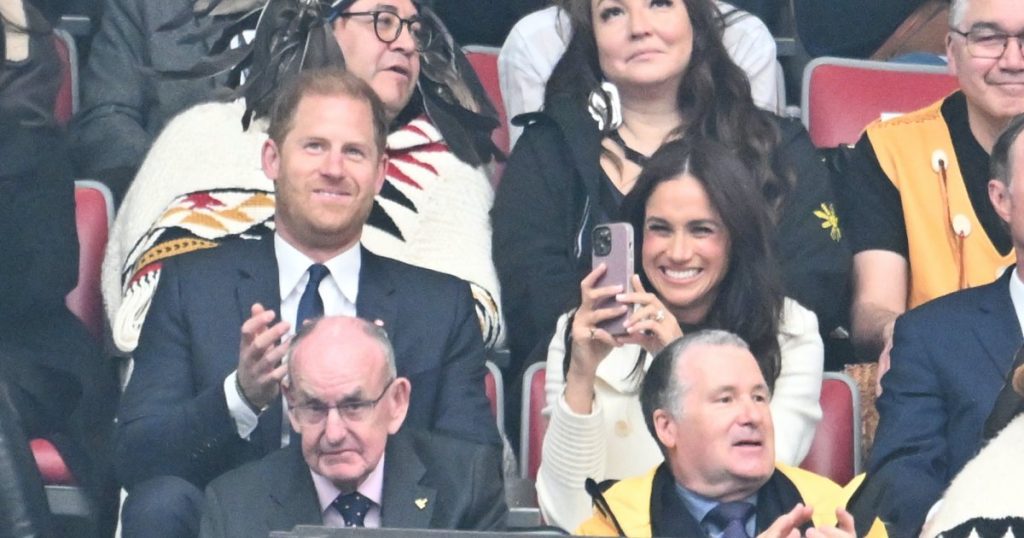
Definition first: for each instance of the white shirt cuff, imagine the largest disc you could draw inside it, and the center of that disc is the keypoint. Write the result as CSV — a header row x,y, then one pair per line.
x,y
245,419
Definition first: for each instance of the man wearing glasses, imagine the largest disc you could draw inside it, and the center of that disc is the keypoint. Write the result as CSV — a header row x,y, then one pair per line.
x,y
922,220
914,200
356,465
380,43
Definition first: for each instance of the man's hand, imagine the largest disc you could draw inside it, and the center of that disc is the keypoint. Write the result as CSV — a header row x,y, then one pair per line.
x,y
844,527
788,525
259,357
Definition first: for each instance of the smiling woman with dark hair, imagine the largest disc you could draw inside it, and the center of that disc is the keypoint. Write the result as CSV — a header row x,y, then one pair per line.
x,y
637,73
703,260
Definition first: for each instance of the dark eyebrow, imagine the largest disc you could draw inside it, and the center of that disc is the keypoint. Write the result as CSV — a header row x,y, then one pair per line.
x,y
356,396
986,26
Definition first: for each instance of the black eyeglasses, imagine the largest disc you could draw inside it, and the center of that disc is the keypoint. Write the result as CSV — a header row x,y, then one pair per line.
x,y
987,43
388,26
312,413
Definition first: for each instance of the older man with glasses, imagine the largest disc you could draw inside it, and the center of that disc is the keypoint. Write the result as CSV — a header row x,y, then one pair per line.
x,y
914,200
356,466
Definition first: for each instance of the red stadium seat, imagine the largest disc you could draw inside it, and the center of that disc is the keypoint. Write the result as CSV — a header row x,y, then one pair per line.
x,y
94,214
67,92
842,96
485,63
835,451
534,424
495,388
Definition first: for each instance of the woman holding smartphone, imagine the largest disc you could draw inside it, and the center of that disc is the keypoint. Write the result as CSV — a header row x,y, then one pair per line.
x,y
703,260
635,74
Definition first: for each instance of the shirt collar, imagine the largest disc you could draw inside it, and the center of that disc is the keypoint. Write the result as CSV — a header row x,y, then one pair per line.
x,y
372,487
699,505
1017,295
292,266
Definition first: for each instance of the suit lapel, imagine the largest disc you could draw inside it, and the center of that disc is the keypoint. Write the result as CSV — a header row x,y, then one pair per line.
x,y
293,499
776,498
998,329
257,278
258,282
407,502
376,299
669,515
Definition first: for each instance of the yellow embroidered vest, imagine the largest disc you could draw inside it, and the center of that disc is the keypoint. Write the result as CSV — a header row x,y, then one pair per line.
x,y
942,260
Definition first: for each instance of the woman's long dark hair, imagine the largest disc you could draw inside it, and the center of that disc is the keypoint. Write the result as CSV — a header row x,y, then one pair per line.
x,y
749,300
714,97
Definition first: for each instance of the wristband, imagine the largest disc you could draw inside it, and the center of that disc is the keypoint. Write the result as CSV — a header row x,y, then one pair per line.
x,y
241,394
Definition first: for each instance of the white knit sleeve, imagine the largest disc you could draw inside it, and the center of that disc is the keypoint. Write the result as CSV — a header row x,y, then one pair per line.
x,y
574,447
795,403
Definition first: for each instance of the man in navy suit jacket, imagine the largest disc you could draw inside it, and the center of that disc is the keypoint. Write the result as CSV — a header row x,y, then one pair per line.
x,y
355,466
204,396
950,359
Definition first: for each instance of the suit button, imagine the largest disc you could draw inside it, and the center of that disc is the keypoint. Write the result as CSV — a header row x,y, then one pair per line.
x,y
622,428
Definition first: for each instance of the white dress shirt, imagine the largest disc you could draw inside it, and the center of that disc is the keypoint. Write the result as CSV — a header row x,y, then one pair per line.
x,y
338,291
372,488
1017,295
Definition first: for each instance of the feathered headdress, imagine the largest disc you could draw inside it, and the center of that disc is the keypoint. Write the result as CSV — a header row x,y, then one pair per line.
x,y
292,35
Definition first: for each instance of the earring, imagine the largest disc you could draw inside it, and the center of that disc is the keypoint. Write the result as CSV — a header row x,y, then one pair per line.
x,y
605,108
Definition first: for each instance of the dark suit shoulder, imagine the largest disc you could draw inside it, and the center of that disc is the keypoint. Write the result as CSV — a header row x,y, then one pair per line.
x,y
446,458
438,448
405,272
261,471
956,305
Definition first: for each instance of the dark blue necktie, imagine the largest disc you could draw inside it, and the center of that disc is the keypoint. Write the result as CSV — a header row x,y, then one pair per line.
x,y
353,507
310,304
732,518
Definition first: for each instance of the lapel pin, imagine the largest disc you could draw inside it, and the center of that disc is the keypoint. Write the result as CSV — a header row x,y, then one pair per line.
x,y
421,503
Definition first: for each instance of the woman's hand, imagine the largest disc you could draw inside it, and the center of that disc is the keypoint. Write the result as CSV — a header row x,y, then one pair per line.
x,y
590,343
651,325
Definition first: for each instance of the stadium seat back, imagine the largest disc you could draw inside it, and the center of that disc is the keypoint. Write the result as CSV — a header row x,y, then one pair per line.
x,y
534,424
94,213
67,93
835,451
842,96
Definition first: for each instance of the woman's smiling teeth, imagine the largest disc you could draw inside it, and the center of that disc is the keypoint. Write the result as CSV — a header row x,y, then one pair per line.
x,y
681,274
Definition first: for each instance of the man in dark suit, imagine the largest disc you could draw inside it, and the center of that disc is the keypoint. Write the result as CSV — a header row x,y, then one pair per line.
x,y
950,358
204,396
355,467
706,402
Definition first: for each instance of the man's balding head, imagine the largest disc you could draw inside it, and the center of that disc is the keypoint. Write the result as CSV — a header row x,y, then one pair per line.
x,y
344,397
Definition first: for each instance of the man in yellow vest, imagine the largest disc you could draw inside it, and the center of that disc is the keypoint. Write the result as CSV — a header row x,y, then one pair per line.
x,y
914,202
706,403
950,359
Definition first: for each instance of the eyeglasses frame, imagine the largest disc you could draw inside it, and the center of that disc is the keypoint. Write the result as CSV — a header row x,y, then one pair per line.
x,y
369,405
402,23
1006,42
